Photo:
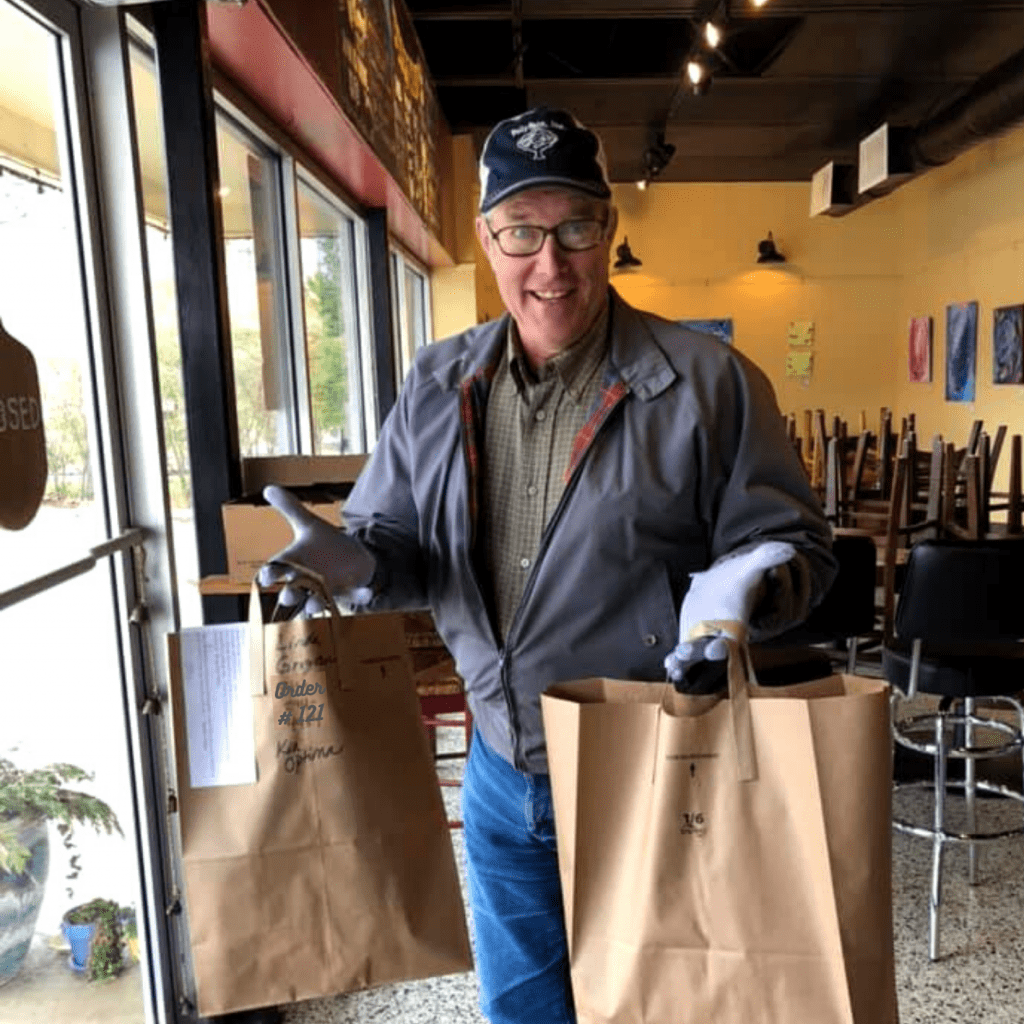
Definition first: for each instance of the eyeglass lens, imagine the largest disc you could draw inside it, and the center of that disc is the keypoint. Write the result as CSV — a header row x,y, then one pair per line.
x,y
526,239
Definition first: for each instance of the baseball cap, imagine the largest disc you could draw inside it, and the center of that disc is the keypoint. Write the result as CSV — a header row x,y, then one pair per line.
x,y
541,147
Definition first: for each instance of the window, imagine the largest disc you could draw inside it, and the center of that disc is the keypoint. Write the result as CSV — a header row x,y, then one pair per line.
x,y
410,310
298,301
337,358
261,348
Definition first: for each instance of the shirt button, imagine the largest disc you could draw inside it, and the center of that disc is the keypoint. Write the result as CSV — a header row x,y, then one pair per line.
x,y
650,640
524,563
541,415
531,490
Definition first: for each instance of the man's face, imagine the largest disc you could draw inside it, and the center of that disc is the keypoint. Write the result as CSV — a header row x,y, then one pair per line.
x,y
553,295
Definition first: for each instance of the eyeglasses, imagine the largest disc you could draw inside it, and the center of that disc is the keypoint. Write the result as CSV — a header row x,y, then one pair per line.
x,y
527,239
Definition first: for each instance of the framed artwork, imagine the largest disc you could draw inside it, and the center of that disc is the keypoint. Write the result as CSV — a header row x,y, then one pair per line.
x,y
720,329
961,350
919,350
1007,348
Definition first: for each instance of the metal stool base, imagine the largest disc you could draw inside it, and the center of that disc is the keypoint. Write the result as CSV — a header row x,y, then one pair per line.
x,y
971,719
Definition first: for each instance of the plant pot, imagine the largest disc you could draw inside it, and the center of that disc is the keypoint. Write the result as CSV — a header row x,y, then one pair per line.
x,y
79,938
93,931
20,899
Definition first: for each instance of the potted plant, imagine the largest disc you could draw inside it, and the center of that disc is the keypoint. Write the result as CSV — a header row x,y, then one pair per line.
x,y
130,930
94,933
28,800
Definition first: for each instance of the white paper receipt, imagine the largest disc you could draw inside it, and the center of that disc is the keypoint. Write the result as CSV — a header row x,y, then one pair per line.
x,y
218,705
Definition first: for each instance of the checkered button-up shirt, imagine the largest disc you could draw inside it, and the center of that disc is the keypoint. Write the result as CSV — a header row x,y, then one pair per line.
x,y
532,421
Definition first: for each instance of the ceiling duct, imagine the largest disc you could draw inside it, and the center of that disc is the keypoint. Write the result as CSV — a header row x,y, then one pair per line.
x,y
992,105
834,190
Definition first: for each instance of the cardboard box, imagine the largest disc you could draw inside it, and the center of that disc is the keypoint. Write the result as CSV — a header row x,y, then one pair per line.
x,y
254,531
300,471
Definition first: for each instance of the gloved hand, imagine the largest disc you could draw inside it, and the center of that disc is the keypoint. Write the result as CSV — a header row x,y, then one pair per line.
x,y
328,553
727,592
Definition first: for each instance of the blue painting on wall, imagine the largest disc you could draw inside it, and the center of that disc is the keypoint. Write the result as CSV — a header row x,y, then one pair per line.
x,y
1007,347
961,350
721,329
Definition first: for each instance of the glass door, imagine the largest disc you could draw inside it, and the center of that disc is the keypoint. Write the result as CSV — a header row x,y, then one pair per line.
x,y
69,814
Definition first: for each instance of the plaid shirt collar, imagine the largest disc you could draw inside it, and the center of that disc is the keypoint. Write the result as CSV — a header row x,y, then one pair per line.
x,y
574,365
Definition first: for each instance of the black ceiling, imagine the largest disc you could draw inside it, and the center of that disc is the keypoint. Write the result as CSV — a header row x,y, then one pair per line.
x,y
795,83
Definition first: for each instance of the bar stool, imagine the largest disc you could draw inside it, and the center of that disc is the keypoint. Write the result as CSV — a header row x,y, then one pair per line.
x,y
957,633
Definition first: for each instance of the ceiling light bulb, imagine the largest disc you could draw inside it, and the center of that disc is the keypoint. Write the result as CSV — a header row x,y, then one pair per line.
x,y
695,71
712,34
759,3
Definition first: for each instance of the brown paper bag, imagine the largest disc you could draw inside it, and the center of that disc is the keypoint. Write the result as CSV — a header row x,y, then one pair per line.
x,y
334,871
725,861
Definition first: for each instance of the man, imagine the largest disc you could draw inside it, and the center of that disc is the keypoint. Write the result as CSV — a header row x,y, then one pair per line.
x,y
572,489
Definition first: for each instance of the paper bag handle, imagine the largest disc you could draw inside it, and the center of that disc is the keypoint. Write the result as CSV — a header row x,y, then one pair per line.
x,y
741,678
309,580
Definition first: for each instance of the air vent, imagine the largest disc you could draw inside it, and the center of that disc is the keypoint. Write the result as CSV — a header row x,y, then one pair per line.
x,y
834,190
884,161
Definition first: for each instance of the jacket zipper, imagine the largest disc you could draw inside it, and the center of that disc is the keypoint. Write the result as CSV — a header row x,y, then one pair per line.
x,y
470,431
545,540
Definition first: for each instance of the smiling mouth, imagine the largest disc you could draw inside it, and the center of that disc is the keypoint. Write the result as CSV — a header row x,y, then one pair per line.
x,y
551,296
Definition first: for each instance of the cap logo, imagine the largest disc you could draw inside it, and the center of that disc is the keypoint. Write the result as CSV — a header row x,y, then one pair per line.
x,y
535,138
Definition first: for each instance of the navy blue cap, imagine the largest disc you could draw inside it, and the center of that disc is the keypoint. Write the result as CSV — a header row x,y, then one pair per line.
x,y
538,148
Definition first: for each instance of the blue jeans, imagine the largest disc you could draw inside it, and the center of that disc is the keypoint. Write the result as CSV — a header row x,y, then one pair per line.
x,y
514,892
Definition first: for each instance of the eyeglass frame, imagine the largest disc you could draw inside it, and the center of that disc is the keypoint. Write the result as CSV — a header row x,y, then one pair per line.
x,y
548,231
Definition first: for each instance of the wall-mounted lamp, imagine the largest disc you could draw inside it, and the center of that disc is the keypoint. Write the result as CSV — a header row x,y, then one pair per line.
x,y
767,253
625,259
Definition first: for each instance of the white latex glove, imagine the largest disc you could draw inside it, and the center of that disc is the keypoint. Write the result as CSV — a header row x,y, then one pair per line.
x,y
340,561
727,592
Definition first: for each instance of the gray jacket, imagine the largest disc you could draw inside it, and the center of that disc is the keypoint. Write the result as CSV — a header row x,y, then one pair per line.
x,y
683,460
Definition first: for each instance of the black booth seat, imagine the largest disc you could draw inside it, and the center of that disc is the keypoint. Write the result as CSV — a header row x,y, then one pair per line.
x,y
990,670
962,599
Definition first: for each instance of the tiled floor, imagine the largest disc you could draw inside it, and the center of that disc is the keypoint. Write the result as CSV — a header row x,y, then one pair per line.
x,y
979,979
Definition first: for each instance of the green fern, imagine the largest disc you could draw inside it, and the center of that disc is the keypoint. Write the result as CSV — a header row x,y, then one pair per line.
x,y
40,795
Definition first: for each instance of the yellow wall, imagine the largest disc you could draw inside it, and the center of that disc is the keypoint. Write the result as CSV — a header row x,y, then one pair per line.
x,y
698,244
954,234
453,289
961,238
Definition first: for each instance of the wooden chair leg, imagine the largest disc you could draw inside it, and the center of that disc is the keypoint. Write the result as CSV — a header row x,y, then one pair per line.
x,y
1013,511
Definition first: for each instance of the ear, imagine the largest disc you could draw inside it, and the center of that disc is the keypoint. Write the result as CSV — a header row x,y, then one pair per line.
x,y
484,234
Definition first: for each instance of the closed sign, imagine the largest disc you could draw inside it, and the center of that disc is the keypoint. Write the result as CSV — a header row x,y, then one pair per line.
x,y
22,444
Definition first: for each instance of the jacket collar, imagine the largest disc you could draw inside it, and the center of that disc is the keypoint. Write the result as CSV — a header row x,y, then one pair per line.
x,y
634,355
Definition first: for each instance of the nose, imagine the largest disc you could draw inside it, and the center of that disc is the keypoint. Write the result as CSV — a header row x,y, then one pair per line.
x,y
551,256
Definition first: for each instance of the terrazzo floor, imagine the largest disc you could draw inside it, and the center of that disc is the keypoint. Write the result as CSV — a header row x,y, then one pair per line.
x,y
978,980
